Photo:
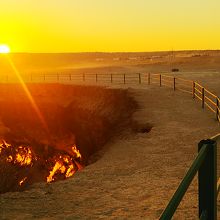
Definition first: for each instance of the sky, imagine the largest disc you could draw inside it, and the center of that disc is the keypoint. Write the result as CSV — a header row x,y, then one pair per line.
x,y
109,25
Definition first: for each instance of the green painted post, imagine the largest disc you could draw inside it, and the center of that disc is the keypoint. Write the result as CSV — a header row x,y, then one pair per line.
x,y
207,179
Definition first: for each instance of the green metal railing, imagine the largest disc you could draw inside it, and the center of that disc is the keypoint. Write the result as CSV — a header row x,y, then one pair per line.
x,y
208,187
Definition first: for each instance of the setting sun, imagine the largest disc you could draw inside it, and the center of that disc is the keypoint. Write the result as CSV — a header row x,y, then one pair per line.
x,y
4,49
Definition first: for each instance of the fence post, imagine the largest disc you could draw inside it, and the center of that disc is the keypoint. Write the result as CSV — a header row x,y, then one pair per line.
x,y
203,97
160,80
139,78
148,78
174,84
58,77
84,78
217,109
124,79
193,89
70,77
96,77
207,181
44,77
111,78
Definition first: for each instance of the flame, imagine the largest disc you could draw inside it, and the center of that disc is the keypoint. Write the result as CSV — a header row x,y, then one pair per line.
x,y
65,165
76,152
22,155
22,181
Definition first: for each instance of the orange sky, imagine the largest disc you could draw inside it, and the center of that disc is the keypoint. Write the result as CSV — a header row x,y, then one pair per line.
x,y
109,25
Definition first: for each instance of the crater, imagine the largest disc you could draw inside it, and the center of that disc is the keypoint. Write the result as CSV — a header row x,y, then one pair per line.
x,y
54,131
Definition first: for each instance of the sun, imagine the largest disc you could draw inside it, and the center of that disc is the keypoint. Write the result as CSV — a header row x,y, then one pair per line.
x,y
4,49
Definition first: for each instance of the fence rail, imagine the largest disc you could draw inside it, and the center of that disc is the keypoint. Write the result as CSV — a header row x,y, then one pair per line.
x,y
203,95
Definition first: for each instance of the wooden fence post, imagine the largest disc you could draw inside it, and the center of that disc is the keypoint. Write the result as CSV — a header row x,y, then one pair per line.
x,y
160,80
217,109
148,78
193,89
124,79
111,78
174,84
207,179
70,77
203,97
139,78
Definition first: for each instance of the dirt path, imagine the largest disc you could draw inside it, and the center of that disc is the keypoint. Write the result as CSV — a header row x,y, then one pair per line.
x,y
137,174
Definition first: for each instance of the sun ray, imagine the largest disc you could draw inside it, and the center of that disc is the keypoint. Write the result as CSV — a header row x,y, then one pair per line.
x,y
30,97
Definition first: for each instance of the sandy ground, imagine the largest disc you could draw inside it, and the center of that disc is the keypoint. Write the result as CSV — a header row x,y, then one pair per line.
x,y
138,173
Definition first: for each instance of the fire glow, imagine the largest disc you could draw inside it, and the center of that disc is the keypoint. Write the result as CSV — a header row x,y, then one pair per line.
x,y
59,166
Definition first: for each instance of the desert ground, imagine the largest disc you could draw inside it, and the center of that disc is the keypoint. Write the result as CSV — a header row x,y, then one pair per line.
x,y
135,173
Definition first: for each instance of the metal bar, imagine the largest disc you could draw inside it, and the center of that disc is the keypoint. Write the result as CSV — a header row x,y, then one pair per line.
x,y
186,80
211,101
184,90
197,90
207,179
198,97
180,192
197,84
206,104
203,98
210,93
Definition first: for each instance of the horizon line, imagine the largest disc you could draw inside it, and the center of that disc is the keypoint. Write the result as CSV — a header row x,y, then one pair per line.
x,y
156,51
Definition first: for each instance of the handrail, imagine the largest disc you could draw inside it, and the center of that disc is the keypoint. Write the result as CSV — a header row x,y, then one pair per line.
x,y
180,192
204,162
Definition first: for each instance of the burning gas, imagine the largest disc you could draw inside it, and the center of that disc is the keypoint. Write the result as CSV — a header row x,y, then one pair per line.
x,y
57,166
65,165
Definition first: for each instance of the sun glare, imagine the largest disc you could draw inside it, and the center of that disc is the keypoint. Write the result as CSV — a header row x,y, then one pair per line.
x,y
4,49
